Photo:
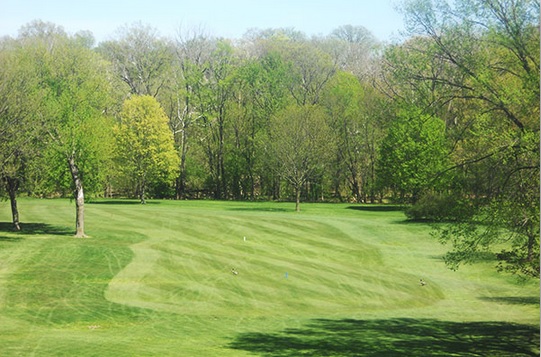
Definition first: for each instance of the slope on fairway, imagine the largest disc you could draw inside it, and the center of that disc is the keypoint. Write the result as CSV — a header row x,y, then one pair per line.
x,y
285,264
157,280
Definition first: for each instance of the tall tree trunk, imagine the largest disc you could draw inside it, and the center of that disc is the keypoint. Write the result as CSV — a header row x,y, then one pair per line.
x,y
222,182
355,184
142,188
142,195
297,198
181,180
79,199
12,184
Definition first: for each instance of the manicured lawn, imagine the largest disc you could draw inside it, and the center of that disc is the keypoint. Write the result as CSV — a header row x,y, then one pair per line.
x,y
332,280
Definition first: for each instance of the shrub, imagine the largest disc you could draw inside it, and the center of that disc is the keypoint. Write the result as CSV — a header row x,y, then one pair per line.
x,y
433,206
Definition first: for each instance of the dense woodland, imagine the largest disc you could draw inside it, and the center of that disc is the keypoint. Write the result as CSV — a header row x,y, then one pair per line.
x,y
445,120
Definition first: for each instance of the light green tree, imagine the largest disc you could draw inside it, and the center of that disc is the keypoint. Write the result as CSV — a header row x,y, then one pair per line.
x,y
75,96
412,155
355,111
19,136
145,150
259,91
300,145
475,63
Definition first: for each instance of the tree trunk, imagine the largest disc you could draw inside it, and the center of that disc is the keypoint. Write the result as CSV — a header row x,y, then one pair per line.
x,y
12,186
142,195
181,179
297,198
79,199
531,243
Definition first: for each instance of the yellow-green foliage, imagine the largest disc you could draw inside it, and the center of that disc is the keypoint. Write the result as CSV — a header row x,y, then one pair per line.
x,y
145,146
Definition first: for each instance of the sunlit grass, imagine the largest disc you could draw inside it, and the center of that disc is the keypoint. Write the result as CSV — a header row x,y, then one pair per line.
x,y
157,280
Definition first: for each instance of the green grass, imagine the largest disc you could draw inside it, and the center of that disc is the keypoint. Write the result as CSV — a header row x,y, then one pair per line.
x,y
156,280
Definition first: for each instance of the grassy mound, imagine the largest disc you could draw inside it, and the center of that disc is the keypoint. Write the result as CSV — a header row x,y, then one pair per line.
x,y
209,278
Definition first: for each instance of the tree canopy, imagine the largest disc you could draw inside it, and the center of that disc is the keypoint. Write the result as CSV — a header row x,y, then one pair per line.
x,y
145,152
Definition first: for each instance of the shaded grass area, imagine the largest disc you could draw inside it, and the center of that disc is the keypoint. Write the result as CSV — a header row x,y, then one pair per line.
x,y
32,229
394,337
122,202
378,208
514,300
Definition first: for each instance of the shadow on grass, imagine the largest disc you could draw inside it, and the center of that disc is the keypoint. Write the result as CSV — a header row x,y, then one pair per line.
x,y
394,337
377,208
513,300
32,229
122,202
260,209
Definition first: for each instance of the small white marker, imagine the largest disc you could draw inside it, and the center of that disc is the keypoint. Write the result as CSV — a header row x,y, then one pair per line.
x,y
245,239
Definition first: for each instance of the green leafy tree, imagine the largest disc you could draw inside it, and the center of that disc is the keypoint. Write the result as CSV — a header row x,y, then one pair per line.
x,y
75,87
413,154
476,64
145,147
355,110
183,105
214,98
259,91
19,143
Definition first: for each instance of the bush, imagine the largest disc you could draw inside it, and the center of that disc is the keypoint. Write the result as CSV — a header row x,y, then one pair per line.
x,y
436,207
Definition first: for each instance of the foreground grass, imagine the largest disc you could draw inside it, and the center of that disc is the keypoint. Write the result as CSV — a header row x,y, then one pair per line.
x,y
156,280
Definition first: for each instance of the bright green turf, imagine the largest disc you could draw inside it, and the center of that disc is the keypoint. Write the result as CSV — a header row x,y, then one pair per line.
x,y
156,280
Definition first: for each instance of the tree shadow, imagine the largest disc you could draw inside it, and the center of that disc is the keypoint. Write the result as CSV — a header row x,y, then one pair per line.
x,y
260,209
377,208
513,300
122,202
394,337
32,229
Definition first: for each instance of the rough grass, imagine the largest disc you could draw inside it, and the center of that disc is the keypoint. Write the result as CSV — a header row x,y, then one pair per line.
x,y
156,280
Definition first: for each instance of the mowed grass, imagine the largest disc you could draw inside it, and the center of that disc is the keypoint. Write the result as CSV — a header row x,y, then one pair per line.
x,y
332,280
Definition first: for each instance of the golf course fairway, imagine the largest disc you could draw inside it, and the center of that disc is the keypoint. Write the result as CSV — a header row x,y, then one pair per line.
x,y
208,278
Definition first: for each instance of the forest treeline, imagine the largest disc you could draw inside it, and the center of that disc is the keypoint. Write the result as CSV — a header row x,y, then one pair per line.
x,y
446,120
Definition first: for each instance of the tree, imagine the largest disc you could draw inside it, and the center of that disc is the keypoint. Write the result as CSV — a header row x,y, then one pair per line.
x,y
214,97
19,142
354,50
193,50
259,91
478,65
355,110
75,97
140,58
299,145
309,70
413,154
145,146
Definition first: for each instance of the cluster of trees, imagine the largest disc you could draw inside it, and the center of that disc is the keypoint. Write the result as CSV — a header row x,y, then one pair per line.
x,y
447,120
